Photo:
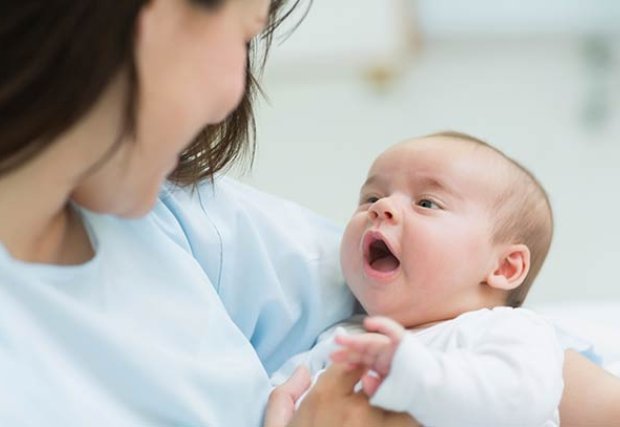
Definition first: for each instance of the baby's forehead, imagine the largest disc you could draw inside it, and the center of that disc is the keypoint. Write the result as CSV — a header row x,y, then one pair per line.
x,y
439,143
440,151
453,158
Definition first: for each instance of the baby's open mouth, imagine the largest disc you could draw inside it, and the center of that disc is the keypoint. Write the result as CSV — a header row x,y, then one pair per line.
x,y
380,257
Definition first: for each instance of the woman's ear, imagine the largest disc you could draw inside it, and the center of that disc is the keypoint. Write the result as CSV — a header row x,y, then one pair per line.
x,y
511,268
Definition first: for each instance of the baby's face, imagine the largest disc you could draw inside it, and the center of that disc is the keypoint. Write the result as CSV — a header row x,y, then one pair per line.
x,y
419,245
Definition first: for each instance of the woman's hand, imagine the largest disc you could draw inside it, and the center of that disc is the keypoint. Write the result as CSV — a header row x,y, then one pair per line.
x,y
281,404
333,403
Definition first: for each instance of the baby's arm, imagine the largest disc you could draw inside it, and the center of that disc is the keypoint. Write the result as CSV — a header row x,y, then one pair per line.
x,y
507,370
374,349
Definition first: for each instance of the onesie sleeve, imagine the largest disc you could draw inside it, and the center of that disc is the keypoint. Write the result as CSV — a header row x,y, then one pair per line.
x,y
274,263
314,360
510,375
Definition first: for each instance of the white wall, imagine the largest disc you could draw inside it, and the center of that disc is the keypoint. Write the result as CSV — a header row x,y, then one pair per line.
x,y
319,133
344,31
442,18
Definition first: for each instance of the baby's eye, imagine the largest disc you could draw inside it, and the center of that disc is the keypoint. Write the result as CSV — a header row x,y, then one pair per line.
x,y
428,204
368,200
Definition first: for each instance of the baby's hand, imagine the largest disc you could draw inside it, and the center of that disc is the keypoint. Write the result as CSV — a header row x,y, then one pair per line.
x,y
374,349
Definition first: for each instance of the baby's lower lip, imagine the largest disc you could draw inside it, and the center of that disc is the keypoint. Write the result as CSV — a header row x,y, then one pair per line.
x,y
380,276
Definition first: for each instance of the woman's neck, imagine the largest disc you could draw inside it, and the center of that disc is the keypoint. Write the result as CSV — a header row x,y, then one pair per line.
x,y
37,221
40,226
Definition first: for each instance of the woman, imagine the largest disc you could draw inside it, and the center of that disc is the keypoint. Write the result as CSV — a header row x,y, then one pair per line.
x,y
120,303
175,317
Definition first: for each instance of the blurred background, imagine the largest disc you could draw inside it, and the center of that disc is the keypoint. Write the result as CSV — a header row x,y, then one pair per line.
x,y
538,79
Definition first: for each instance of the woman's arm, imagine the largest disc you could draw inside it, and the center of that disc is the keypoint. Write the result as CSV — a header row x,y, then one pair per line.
x,y
331,403
591,398
591,395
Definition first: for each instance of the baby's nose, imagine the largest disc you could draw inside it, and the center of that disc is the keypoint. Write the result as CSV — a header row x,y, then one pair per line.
x,y
384,210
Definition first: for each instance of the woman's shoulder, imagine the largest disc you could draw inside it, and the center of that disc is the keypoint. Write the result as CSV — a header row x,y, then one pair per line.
x,y
223,194
239,212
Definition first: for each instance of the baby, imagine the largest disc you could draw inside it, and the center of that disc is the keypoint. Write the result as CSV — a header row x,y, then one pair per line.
x,y
441,252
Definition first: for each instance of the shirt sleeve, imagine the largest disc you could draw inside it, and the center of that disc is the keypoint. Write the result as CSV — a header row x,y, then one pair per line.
x,y
274,263
511,375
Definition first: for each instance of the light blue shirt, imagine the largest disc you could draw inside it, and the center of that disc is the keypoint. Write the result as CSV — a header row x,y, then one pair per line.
x,y
179,319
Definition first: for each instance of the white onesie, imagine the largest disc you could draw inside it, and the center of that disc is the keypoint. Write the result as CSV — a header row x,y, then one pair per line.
x,y
490,367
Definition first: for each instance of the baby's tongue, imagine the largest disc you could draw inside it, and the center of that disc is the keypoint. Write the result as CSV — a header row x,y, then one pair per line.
x,y
385,263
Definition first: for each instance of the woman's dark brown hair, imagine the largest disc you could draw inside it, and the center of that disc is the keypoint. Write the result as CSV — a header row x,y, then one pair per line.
x,y
56,59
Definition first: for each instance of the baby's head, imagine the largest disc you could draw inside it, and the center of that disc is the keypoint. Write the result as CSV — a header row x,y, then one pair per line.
x,y
445,224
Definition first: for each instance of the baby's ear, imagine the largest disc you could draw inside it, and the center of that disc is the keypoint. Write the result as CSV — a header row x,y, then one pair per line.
x,y
511,269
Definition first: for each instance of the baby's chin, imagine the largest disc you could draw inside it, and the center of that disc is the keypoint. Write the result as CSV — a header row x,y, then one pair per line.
x,y
375,310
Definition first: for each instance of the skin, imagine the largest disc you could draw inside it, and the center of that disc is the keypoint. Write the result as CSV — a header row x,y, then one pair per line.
x,y
182,89
191,71
191,68
430,200
331,403
591,395
374,350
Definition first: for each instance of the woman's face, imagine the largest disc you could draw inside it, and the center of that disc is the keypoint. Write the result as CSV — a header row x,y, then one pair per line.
x,y
191,67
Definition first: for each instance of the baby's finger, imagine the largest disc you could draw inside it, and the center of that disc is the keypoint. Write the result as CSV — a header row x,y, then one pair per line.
x,y
370,384
368,344
367,358
362,341
385,326
349,359
339,356
344,339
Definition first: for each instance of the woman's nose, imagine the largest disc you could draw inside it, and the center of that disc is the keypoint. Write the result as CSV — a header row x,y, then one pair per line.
x,y
383,209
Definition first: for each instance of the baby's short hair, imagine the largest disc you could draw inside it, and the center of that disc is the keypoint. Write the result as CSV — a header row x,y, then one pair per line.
x,y
522,213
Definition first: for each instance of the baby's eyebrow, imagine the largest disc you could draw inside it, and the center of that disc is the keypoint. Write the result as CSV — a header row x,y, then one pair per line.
x,y
420,181
437,184
372,179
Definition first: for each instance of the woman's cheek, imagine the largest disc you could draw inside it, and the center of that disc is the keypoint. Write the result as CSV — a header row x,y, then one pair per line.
x,y
233,86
